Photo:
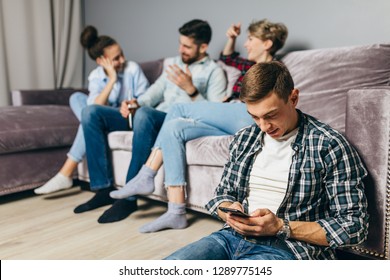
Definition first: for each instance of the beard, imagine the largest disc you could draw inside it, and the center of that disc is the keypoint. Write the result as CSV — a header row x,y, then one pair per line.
x,y
191,59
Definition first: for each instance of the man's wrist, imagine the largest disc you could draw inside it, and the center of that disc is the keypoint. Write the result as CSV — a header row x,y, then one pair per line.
x,y
284,232
195,93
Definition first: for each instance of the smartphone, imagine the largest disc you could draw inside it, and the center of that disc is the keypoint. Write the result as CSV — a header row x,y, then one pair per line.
x,y
130,117
130,120
234,212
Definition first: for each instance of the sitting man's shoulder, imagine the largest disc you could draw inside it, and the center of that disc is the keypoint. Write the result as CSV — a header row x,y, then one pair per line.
x,y
247,134
327,134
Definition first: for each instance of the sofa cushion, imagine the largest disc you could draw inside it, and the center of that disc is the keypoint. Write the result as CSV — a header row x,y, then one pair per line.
x,y
121,140
25,128
209,151
232,75
324,77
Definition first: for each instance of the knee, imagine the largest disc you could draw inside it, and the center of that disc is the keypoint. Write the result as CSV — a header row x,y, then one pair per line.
x,y
89,113
77,98
176,108
176,128
142,116
143,112
176,111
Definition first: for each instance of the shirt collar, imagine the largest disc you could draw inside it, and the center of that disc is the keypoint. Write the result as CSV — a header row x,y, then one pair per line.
x,y
302,120
201,61
298,140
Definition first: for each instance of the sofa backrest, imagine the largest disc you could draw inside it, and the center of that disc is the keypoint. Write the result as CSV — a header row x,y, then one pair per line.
x,y
43,96
325,76
152,69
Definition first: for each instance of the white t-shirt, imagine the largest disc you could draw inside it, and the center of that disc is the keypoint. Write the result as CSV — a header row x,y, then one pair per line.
x,y
270,171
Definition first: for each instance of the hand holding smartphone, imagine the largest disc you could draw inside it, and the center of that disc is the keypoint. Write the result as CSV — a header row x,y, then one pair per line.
x,y
234,212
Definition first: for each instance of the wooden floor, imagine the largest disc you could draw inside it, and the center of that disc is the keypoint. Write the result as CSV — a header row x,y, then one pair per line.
x,y
45,227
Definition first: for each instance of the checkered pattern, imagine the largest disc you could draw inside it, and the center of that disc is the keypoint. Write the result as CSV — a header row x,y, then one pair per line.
x,y
241,64
325,185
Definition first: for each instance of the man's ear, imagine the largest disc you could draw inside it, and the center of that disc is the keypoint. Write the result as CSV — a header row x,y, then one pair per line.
x,y
294,97
203,48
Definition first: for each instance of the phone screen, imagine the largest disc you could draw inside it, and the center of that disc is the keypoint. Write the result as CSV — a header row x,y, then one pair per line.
x,y
233,211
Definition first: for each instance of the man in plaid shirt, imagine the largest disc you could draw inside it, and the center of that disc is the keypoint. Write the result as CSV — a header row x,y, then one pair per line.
x,y
311,176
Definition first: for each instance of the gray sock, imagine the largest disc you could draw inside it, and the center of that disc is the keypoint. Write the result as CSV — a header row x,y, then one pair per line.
x,y
55,184
174,218
143,184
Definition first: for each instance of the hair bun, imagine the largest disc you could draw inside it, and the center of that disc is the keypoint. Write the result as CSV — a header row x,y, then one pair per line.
x,y
89,37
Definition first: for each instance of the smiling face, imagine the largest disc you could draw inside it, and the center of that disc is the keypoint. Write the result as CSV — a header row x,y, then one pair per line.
x,y
191,52
273,115
115,54
257,49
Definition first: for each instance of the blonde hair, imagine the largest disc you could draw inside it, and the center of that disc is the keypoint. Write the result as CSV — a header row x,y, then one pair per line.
x,y
266,30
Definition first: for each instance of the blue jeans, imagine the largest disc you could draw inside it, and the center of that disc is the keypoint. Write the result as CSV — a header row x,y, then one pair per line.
x,y
147,124
227,244
98,121
77,102
188,121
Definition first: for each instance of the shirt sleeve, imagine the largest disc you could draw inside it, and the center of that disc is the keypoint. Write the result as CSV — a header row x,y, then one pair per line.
x,y
236,61
225,191
95,87
216,87
154,94
344,186
141,83
230,59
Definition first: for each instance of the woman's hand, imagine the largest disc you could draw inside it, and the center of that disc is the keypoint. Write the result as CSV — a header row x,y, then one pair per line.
x,y
234,31
109,68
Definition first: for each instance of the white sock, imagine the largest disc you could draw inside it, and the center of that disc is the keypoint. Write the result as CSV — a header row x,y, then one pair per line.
x,y
57,183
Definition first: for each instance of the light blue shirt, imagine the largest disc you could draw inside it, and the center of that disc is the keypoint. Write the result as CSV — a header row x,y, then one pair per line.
x,y
207,77
130,82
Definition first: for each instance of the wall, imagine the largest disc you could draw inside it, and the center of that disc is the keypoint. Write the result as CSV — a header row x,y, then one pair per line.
x,y
147,29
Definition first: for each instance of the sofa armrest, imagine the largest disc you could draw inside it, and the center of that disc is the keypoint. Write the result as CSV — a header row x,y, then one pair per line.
x,y
43,97
368,130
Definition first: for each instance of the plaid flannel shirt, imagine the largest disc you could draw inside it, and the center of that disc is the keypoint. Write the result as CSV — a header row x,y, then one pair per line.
x,y
241,64
325,185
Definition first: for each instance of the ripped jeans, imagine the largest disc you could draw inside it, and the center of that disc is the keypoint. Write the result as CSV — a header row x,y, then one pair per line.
x,y
188,121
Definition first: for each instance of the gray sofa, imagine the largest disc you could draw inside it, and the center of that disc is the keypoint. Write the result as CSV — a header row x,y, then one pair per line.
x,y
347,87
35,135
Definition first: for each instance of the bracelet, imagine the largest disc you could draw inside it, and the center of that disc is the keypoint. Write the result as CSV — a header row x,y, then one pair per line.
x,y
194,94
